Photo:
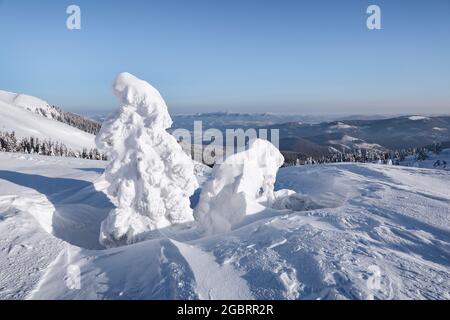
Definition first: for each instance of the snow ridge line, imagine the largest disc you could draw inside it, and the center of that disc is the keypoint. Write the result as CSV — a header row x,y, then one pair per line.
x,y
214,281
37,206
48,271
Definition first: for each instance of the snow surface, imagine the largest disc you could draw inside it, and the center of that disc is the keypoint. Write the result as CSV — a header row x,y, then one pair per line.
x,y
373,232
150,176
345,141
350,142
417,118
342,126
368,146
29,103
31,117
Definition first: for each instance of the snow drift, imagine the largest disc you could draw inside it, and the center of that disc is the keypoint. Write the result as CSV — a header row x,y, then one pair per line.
x,y
150,177
385,223
241,185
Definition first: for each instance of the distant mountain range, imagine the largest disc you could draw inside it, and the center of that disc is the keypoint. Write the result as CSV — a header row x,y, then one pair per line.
x,y
307,135
311,137
316,135
381,134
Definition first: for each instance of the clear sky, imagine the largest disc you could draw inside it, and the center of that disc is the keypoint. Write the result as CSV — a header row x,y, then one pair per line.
x,y
314,56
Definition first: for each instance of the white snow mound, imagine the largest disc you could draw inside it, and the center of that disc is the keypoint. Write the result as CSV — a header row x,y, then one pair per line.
x,y
151,178
242,185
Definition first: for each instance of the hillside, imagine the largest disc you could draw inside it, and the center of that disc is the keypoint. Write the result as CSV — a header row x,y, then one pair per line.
x,y
31,117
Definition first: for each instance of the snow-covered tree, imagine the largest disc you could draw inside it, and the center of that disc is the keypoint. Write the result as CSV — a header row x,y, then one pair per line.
x,y
150,176
242,185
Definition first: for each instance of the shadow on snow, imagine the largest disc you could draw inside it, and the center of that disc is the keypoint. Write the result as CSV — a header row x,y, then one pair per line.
x,y
79,207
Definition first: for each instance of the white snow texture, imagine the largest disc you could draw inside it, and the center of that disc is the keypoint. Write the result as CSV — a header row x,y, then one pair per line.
x,y
151,178
28,117
240,186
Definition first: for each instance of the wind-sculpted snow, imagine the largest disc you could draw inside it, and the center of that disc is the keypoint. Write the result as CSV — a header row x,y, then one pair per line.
x,y
151,178
239,186
345,231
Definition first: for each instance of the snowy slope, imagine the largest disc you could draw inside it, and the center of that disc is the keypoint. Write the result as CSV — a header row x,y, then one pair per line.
x,y
357,232
29,103
434,161
349,142
28,116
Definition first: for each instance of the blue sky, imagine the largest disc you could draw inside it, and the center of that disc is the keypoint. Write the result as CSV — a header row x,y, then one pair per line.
x,y
247,55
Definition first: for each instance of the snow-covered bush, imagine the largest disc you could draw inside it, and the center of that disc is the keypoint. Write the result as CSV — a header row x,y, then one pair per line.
x,y
151,178
243,184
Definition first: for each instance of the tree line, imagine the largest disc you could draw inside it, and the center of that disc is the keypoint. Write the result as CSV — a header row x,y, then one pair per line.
x,y
364,156
47,147
77,121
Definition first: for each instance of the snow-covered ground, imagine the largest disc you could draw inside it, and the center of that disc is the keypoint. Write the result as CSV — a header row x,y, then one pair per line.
x,y
350,143
30,103
28,117
359,231
417,118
